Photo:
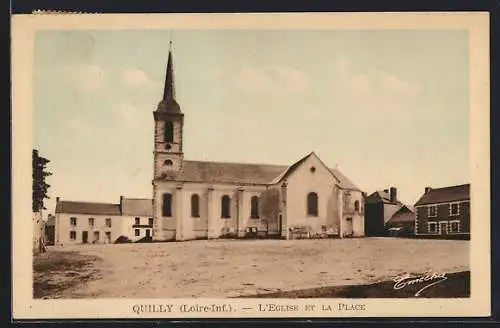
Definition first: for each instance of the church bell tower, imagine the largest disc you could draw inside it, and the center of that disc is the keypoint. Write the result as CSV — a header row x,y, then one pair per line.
x,y
169,122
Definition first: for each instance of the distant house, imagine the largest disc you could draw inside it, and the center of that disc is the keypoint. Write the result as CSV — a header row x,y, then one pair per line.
x,y
443,211
380,206
402,223
50,226
103,223
138,217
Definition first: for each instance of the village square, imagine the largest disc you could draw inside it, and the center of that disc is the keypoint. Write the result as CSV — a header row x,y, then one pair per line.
x,y
229,229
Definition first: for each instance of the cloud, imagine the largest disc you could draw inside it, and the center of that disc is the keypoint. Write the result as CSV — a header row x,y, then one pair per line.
x,y
135,78
87,78
277,80
372,91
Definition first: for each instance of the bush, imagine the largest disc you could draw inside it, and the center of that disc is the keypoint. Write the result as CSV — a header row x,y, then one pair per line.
x,y
123,240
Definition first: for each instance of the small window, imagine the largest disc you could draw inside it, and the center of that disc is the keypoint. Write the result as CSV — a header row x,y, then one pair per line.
x,y
167,205
91,222
108,236
137,232
108,222
254,207
150,221
225,207
137,221
73,221
454,209
432,227
455,226
168,162
195,206
356,206
72,235
432,211
312,204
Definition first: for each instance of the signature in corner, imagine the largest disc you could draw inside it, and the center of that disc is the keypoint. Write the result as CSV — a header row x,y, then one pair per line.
x,y
432,277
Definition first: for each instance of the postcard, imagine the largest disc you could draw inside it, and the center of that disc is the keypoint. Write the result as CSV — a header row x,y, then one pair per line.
x,y
285,165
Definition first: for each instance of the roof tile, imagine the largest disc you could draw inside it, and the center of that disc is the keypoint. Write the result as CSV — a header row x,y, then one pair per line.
x,y
87,208
446,194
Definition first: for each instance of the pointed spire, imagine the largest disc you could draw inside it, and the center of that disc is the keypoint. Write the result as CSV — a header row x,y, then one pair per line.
x,y
168,102
169,91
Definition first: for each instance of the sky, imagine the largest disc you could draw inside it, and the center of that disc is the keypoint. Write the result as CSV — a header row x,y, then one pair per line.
x,y
387,107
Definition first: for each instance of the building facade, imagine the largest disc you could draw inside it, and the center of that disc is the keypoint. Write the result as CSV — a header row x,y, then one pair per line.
x,y
102,223
380,206
199,199
443,211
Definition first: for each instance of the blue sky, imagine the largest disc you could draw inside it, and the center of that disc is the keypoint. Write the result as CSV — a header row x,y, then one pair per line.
x,y
389,107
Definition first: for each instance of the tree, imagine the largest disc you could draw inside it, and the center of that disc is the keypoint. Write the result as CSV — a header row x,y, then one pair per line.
x,y
40,186
270,206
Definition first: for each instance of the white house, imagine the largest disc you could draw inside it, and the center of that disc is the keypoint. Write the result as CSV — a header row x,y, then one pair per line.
x,y
102,223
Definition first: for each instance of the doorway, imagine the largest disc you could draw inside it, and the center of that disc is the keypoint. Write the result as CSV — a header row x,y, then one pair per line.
x,y
443,227
85,237
108,237
148,233
349,229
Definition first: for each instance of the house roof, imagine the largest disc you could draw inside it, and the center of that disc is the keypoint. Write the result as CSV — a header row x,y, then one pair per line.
x,y
402,217
382,196
72,207
245,173
344,183
137,207
444,195
405,214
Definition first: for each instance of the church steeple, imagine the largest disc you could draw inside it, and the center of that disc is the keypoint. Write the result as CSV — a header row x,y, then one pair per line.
x,y
168,102
169,124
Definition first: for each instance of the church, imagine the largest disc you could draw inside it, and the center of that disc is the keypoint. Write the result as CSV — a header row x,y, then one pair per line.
x,y
200,199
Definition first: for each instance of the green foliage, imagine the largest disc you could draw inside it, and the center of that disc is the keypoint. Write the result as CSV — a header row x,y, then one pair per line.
x,y
40,187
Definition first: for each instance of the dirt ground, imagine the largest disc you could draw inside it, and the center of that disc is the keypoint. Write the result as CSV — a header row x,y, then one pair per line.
x,y
234,268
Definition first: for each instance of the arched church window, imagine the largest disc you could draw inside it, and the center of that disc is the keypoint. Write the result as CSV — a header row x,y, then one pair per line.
x,y
225,207
167,205
356,206
254,207
168,162
312,204
195,206
169,131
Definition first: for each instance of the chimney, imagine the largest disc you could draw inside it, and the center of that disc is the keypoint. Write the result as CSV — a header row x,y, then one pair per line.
x,y
394,194
427,189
